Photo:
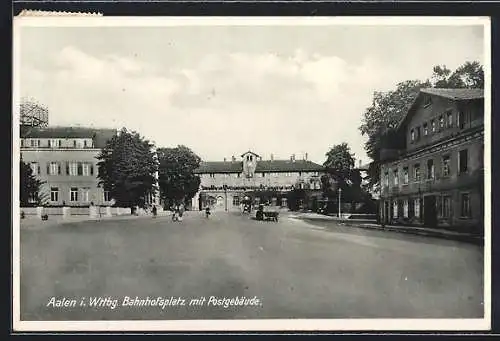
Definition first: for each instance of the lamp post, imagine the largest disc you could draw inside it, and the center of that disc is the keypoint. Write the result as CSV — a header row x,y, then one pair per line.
x,y
340,191
225,197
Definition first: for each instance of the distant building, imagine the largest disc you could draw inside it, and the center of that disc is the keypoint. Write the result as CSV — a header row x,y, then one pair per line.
x,y
434,174
225,183
65,159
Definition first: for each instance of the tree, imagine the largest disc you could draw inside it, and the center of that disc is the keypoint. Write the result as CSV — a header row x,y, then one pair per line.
x,y
176,177
341,174
389,108
29,186
127,168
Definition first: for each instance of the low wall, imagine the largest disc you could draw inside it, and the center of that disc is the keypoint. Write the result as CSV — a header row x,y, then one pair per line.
x,y
77,211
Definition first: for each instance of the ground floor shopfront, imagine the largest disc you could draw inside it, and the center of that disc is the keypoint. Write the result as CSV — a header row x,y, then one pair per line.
x,y
460,209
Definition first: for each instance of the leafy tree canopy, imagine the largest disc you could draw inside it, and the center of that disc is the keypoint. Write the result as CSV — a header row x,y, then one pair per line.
x,y
29,186
177,180
127,168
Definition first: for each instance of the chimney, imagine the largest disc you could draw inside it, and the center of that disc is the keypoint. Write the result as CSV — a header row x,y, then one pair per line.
x,y
225,160
272,157
305,157
233,158
293,158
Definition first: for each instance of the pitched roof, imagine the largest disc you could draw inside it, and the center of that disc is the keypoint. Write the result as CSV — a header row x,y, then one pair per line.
x,y
99,135
287,166
220,167
250,152
262,166
454,94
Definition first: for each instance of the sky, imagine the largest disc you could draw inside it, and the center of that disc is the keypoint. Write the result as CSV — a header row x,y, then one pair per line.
x,y
223,90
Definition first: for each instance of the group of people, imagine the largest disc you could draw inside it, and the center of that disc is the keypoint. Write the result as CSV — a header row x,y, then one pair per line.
x,y
178,212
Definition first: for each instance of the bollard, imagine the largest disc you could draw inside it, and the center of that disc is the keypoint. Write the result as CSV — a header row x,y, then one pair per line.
x,y
39,212
66,211
108,211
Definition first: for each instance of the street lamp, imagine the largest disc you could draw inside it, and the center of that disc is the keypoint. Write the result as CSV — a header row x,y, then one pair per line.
x,y
225,197
340,191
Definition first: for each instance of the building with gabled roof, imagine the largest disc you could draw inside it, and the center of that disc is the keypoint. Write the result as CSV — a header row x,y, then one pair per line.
x,y
433,173
225,183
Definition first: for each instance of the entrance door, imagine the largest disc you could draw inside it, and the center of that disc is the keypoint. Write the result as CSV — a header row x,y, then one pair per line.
x,y
430,212
387,212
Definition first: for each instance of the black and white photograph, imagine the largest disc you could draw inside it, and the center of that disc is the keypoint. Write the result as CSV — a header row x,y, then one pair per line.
x,y
209,174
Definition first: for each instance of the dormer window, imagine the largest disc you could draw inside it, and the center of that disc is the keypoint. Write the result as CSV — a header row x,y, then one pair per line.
x,y
433,126
426,129
441,122
412,135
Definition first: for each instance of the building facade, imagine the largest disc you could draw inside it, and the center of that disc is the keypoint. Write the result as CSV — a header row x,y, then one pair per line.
x,y
65,159
224,184
434,174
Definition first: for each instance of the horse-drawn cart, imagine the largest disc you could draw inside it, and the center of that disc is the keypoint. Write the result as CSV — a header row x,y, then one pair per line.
x,y
269,215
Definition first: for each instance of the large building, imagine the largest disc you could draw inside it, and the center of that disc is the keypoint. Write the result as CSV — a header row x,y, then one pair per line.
x,y
434,174
225,183
65,159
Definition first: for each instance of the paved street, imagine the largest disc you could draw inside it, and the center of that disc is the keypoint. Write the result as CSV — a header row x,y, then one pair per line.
x,y
295,269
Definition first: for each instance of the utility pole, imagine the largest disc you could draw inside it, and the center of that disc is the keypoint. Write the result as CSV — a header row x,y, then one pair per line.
x,y
340,191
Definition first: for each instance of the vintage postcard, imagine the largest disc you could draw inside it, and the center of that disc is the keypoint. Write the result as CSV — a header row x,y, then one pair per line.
x,y
251,174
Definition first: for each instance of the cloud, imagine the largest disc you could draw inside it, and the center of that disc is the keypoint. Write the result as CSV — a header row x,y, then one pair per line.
x,y
222,104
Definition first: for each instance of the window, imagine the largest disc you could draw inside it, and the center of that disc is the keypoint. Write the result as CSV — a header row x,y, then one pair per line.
x,y
35,143
405,208
416,205
236,201
54,143
263,175
33,197
430,169
412,135
386,179
462,161
461,121
446,207
417,133
85,194
426,129
465,205
449,118
433,126
394,209
54,194
396,177
74,143
54,168
73,194
35,168
405,175
59,143
446,165
22,143
416,172
226,175
441,122
107,196
73,168
84,143
87,169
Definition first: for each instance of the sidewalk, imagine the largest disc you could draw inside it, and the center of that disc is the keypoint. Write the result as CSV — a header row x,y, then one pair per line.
x,y
415,230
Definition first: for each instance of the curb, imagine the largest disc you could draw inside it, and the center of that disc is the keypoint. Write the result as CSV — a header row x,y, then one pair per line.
x,y
468,238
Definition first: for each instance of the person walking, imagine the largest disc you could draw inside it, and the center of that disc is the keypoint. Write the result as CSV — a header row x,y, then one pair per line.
x,y
155,212
181,211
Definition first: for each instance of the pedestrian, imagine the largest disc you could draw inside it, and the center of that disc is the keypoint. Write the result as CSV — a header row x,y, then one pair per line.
x,y
154,211
207,211
181,211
